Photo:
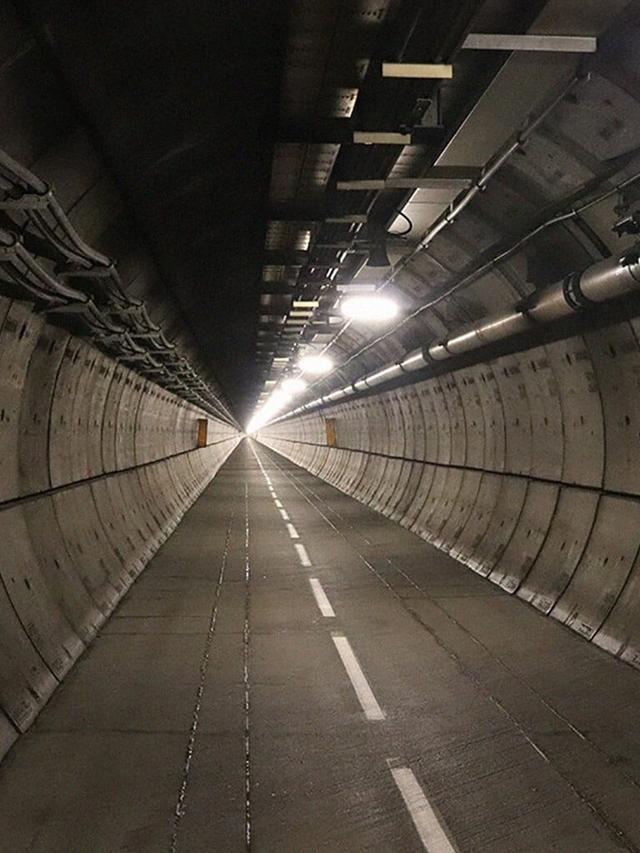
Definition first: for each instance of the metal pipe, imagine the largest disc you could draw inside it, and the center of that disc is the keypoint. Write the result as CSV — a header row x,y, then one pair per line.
x,y
416,360
384,375
493,165
601,282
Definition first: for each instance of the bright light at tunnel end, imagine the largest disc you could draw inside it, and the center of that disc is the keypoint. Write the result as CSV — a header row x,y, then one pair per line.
x,y
274,405
370,308
315,364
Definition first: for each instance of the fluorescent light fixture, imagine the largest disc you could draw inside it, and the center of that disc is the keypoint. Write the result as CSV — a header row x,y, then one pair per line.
x,y
423,71
363,137
373,308
294,385
315,364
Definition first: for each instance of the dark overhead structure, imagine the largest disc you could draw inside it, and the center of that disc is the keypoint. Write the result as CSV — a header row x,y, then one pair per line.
x,y
320,426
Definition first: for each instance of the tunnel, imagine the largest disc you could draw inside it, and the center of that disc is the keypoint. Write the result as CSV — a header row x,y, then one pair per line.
x,y
320,426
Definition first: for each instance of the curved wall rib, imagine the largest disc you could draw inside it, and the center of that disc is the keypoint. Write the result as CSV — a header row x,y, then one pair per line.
x,y
524,468
99,466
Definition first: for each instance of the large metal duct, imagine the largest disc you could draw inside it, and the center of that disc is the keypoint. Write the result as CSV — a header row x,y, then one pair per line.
x,y
606,280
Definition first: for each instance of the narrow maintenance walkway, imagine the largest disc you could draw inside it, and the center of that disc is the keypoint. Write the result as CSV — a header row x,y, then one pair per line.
x,y
293,672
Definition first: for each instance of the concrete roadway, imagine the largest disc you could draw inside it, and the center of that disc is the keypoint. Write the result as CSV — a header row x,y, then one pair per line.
x,y
293,672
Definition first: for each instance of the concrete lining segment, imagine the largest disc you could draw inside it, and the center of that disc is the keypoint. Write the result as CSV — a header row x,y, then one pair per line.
x,y
517,465
100,469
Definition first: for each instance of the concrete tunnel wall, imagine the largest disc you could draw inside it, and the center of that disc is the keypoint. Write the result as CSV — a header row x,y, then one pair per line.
x,y
524,468
99,466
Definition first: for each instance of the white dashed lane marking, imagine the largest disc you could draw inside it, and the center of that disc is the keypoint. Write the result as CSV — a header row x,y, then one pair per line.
x,y
368,701
430,827
302,554
428,823
324,605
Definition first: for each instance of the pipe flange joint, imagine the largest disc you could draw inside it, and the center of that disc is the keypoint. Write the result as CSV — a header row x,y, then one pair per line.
x,y
527,303
631,261
572,292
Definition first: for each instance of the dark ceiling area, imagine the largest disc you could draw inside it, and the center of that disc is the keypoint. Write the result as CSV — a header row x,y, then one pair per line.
x,y
181,98
210,115
230,129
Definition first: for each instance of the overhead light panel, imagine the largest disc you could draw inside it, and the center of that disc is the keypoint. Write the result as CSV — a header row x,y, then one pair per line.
x,y
315,364
373,308
414,70
362,137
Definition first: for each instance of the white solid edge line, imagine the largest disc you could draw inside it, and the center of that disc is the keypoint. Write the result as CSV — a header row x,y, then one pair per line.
x,y
302,554
324,605
428,824
284,514
368,701
293,533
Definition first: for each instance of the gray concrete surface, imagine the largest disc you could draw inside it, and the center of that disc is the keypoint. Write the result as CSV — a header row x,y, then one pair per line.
x,y
214,702
525,468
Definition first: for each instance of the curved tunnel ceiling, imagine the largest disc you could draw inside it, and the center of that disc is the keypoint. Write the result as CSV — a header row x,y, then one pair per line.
x,y
224,133
552,140
220,128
